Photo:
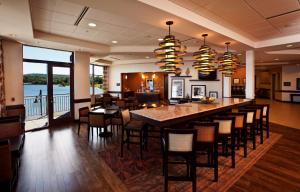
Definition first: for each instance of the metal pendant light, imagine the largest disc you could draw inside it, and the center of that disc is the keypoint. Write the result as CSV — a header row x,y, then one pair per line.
x,y
228,63
205,59
170,52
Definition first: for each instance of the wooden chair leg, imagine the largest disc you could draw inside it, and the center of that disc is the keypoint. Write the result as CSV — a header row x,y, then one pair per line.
x,y
267,127
122,142
233,150
216,164
245,143
253,137
78,130
261,132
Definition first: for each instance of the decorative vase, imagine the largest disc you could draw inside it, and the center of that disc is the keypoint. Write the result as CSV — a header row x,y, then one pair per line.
x,y
187,72
177,72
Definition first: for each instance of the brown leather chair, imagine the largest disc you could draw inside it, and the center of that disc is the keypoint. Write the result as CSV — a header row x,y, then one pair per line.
x,y
180,143
226,132
135,132
6,168
207,144
98,121
83,117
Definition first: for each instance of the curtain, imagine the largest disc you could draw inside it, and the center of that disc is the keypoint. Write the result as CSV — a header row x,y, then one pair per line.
x,y
105,78
2,88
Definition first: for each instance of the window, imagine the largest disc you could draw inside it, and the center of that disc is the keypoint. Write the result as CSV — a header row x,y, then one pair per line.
x,y
96,79
45,54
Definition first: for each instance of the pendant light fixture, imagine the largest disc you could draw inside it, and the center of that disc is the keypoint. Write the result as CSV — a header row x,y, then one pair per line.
x,y
205,58
170,52
228,63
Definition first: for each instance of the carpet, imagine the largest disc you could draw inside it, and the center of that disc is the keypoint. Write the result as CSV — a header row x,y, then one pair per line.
x,y
146,175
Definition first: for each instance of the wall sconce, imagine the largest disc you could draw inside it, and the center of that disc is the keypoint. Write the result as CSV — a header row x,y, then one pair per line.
x,y
143,76
153,76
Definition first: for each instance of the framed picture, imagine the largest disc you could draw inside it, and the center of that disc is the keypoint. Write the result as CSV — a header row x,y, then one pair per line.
x,y
198,91
287,84
213,94
236,81
177,89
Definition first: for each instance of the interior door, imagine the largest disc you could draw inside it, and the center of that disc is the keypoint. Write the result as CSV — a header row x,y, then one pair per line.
x,y
60,91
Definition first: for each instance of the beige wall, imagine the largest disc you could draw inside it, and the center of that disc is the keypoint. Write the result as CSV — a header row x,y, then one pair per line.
x,y
13,69
81,79
289,74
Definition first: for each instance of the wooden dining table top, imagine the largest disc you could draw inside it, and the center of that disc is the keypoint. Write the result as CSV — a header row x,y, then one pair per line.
x,y
171,112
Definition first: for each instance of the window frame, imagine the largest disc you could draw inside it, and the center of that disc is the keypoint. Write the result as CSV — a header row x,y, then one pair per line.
x,y
92,77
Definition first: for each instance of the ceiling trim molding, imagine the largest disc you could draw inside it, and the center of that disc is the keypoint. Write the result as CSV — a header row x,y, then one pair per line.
x,y
278,41
179,11
71,41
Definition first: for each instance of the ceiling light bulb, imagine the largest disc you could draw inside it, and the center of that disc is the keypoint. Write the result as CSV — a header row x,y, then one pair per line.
x,y
276,59
289,45
92,24
114,42
147,57
160,39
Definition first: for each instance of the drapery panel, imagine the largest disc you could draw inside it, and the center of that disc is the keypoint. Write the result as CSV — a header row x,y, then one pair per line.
x,y
2,87
105,78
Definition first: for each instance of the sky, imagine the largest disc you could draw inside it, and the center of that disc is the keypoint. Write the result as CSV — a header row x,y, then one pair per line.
x,y
50,55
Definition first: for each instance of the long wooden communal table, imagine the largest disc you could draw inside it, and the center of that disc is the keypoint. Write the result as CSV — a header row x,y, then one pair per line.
x,y
166,116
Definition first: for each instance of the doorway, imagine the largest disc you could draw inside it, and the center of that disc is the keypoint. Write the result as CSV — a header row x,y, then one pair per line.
x,y
48,87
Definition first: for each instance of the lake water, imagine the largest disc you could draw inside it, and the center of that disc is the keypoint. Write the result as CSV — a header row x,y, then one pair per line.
x,y
34,90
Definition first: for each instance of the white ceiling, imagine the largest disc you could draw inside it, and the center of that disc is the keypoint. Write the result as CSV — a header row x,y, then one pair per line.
x,y
137,26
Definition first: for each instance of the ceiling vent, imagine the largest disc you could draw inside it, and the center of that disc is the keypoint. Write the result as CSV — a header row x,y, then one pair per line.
x,y
83,12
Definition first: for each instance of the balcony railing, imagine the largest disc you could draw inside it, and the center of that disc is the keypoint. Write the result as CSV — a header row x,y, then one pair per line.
x,y
37,106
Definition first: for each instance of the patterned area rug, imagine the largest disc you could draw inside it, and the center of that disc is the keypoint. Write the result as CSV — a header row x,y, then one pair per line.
x,y
146,175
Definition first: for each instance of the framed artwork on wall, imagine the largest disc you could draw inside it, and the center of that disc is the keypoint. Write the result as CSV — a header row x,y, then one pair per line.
x,y
198,91
213,94
287,84
177,89
236,81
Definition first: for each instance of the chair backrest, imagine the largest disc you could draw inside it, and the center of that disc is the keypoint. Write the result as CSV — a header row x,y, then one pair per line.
x,y
226,124
240,119
180,140
84,112
10,127
251,114
206,132
5,162
259,110
96,119
121,103
125,117
265,109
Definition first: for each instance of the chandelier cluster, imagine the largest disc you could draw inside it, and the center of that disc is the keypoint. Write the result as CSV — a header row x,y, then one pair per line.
x,y
228,62
170,52
205,59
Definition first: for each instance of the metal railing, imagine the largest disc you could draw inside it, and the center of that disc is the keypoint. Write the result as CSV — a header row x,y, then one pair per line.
x,y
37,106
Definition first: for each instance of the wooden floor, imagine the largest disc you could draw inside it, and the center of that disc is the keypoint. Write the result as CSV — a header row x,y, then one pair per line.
x,y
59,160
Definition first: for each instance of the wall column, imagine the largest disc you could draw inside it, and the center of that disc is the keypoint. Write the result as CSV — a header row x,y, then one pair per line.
x,y
226,86
250,74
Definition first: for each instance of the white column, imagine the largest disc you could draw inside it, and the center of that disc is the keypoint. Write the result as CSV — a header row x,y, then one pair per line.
x,y
226,86
250,74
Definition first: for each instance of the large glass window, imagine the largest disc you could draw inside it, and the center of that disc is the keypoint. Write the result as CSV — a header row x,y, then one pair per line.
x,y
44,54
96,79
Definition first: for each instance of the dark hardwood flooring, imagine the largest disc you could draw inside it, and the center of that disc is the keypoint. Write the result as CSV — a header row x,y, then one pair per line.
x,y
58,160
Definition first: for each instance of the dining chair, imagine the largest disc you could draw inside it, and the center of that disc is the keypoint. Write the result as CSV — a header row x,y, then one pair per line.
x,y
258,120
180,143
265,118
226,132
240,129
107,101
121,104
135,132
83,117
207,144
250,124
98,121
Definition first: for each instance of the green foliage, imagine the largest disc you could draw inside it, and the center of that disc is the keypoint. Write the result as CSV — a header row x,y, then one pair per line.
x,y
41,79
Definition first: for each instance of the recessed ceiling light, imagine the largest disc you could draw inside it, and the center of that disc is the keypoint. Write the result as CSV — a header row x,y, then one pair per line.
x,y
147,57
289,45
114,42
160,39
239,54
92,24
276,59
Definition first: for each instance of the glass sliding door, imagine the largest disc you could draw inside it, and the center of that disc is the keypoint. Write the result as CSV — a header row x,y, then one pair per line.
x,y
61,92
